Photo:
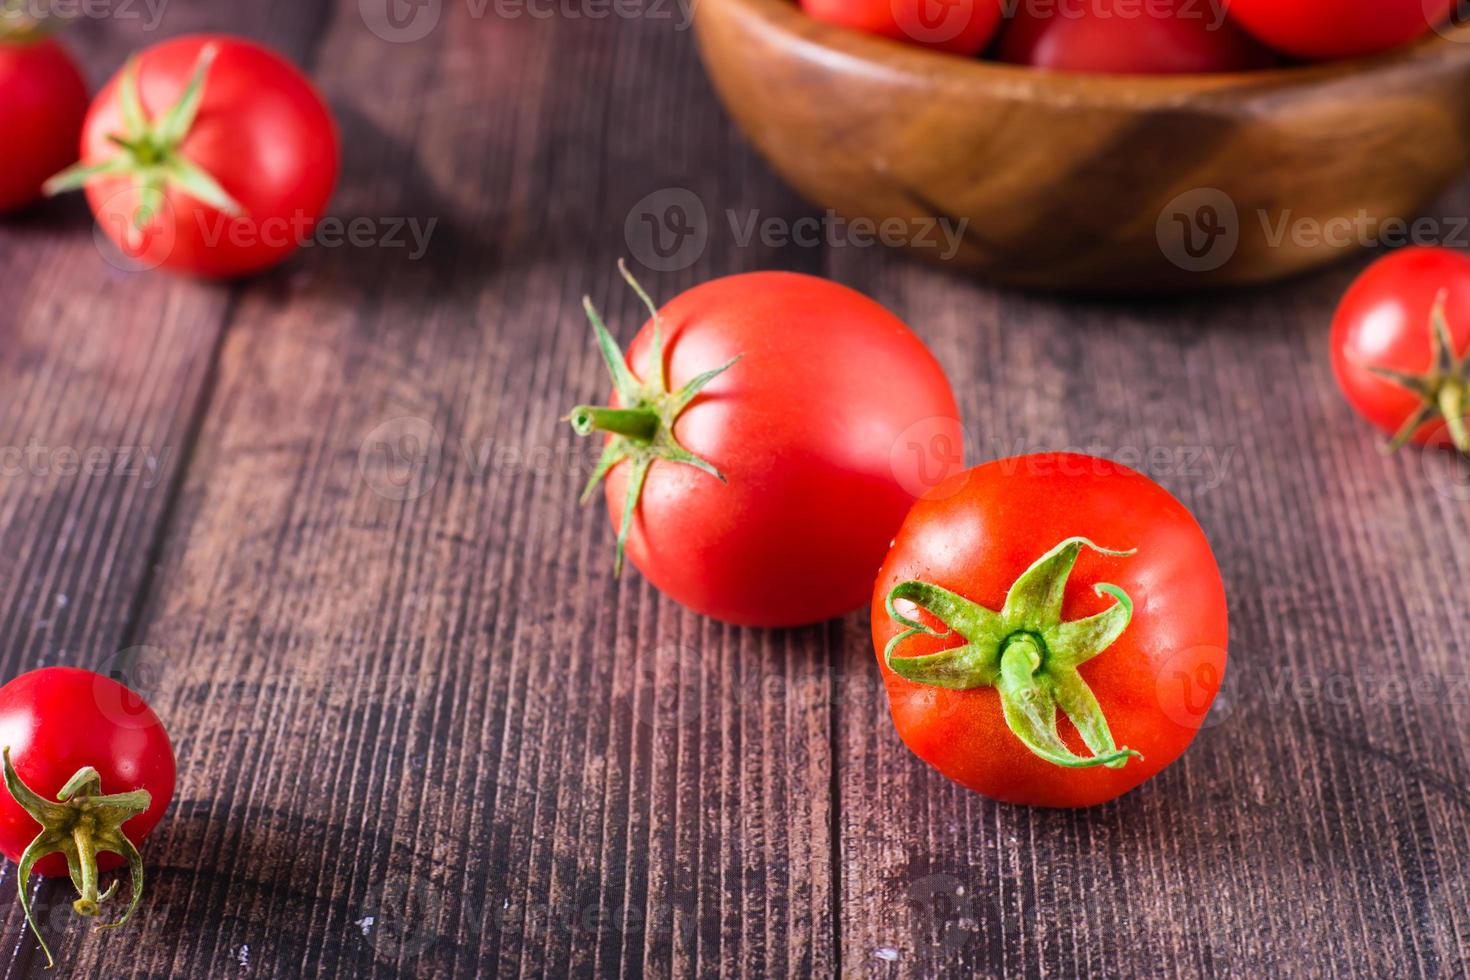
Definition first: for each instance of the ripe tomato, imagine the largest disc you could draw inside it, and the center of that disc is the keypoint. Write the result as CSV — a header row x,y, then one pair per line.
x,y
958,26
1327,29
1064,581
43,100
764,489
230,157
1125,37
87,741
1401,346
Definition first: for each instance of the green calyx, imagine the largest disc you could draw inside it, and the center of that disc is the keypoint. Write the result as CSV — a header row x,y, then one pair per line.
x,y
82,824
1444,389
150,154
642,425
1025,651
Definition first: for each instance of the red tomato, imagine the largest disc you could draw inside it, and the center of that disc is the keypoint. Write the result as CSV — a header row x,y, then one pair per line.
x,y
43,100
771,498
1126,37
958,26
55,723
1040,618
263,149
1327,29
1402,359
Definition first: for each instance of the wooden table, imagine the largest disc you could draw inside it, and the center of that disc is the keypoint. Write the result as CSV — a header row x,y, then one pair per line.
x,y
421,730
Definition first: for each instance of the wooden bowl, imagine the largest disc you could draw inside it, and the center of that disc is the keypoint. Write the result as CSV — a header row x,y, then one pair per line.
x,y
1095,182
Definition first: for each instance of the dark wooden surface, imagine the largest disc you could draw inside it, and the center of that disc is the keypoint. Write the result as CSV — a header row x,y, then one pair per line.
x,y
422,731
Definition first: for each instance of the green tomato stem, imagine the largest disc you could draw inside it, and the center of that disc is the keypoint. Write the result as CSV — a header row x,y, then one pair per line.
x,y
150,152
644,433
639,424
81,823
1453,403
87,902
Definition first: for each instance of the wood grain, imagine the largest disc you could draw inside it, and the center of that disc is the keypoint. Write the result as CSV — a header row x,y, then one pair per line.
x,y
102,374
430,735
423,732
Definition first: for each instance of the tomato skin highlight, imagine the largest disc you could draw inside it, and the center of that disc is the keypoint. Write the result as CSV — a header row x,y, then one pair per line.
x,y
43,100
803,428
1322,30
1384,321
263,132
58,720
957,26
1162,37
975,534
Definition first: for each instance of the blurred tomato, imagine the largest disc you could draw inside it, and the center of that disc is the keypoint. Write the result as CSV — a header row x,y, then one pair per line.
x,y
958,26
43,101
1126,37
1325,29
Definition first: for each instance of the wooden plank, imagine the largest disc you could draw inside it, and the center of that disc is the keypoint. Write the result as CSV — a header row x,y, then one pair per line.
x,y
104,373
421,729
1318,826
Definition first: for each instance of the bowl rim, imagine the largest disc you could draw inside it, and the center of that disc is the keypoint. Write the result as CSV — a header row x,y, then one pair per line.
x,y
835,44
